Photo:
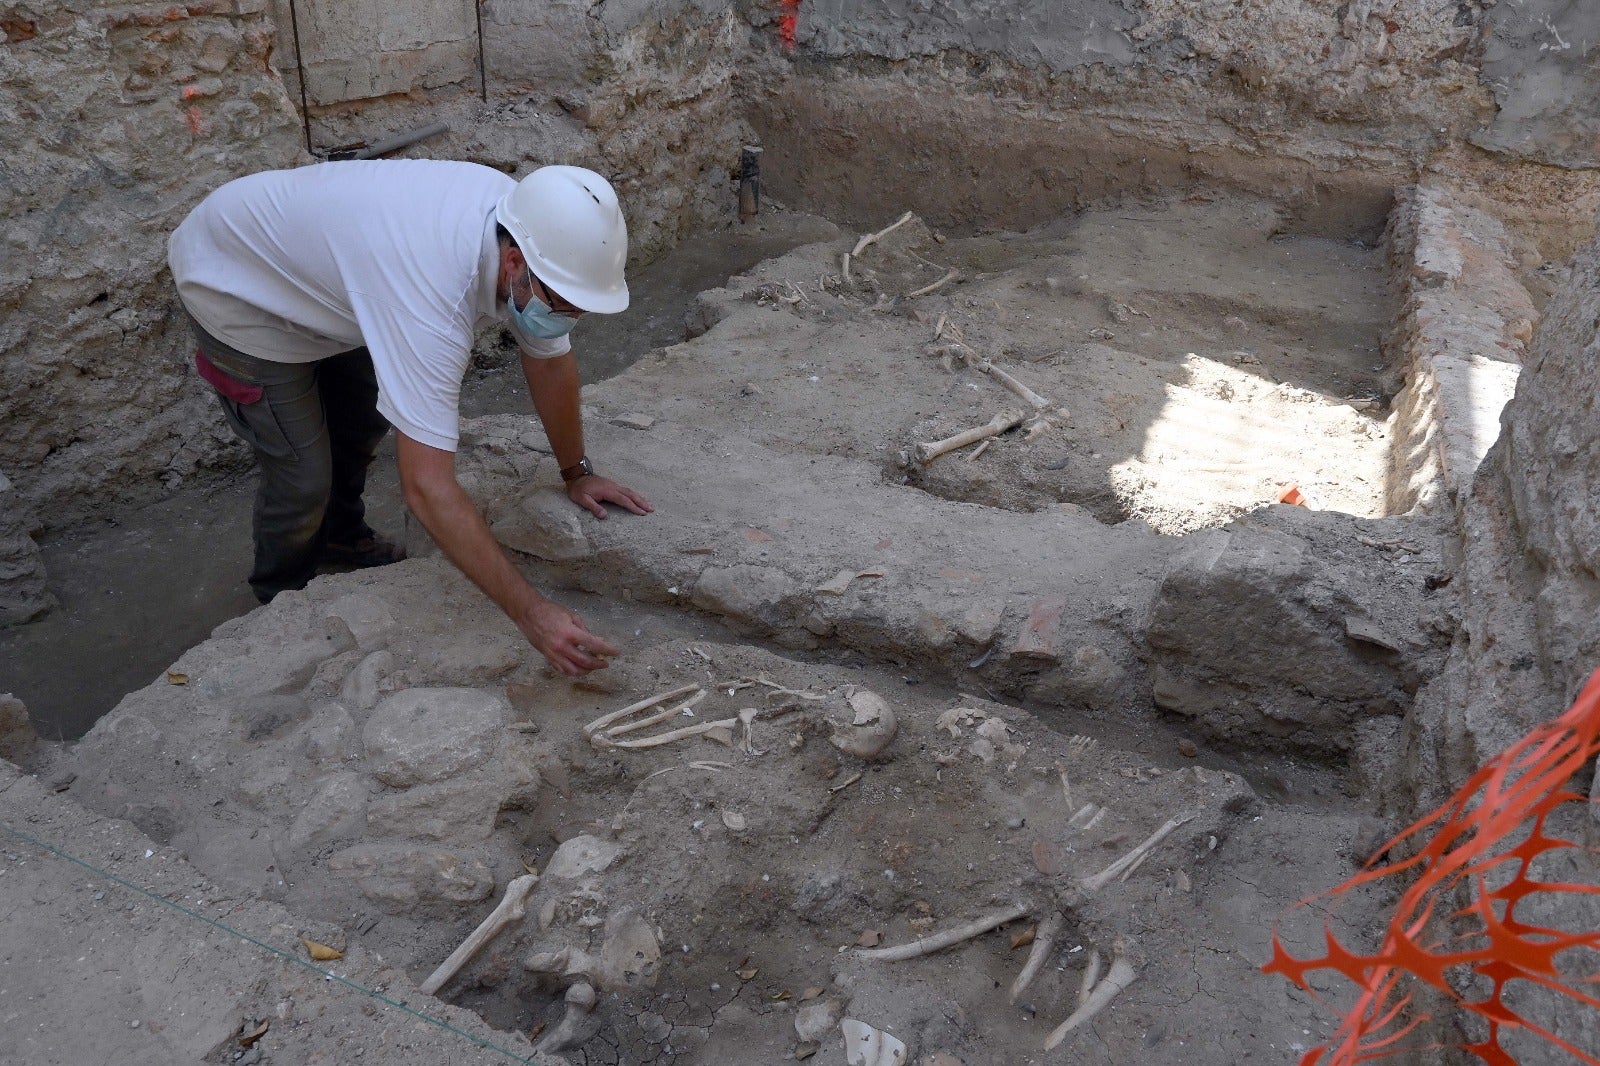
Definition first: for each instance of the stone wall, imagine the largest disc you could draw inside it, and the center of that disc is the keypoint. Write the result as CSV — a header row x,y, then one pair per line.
x,y
125,115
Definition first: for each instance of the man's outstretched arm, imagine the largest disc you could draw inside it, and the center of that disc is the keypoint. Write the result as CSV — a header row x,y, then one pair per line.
x,y
428,479
553,386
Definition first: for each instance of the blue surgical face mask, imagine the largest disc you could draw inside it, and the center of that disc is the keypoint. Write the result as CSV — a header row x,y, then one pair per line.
x,y
537,320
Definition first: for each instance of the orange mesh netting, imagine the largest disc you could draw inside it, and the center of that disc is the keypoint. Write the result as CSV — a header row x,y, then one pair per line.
x,y
1490,831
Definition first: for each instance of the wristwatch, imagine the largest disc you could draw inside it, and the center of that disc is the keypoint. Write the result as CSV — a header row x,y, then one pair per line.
x,y
582,468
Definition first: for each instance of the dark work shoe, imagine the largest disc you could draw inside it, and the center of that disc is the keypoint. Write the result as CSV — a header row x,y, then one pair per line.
x,y
371,549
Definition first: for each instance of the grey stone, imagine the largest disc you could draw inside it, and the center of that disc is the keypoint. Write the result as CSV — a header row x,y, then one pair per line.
x,y
461,811
546,525
17,736
429,734
24,595
282,662
633,421
259,718
369,618
336,810
399,876
815,1020
746,593
475,659
332,736
363,687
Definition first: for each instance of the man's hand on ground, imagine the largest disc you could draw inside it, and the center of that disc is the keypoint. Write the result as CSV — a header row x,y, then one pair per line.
x,y
592,492
561,637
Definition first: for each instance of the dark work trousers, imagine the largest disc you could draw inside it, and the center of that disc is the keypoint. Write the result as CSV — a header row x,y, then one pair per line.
x,y
314,428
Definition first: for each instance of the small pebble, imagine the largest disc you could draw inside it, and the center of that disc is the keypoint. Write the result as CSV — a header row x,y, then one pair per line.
x,y
133,1024
1016,823
1188,748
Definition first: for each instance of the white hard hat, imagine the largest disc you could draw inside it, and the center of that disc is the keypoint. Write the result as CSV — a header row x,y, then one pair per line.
x,y
569,226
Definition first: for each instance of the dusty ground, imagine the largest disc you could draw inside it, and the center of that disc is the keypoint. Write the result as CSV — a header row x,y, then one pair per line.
x,y
383,753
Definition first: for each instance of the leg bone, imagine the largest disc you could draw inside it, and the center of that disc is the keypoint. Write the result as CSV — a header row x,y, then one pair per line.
x,y
511,909
939,941
1044,941
1118,978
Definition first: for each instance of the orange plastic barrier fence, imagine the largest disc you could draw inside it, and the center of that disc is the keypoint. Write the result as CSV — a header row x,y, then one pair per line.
x,y
1495,825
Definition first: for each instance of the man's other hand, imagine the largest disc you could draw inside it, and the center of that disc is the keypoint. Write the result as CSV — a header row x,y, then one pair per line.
x,y
592,492
561,637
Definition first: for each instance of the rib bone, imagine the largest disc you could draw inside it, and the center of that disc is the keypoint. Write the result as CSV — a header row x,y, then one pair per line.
x,y
1134,857
511,909
1000,423
1044,941
1120,977
939,941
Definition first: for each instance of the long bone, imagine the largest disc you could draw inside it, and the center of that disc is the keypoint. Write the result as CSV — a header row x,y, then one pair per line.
x,y
1000,423
656,719
600,740
939,941
872,238
1044,941
633,708
513,906
1119,977
1132,859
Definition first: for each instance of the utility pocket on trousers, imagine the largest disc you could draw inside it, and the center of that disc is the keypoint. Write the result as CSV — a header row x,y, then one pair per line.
x,y
243,406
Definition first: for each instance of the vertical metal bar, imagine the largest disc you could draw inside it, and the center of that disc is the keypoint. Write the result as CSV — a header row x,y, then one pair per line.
x,y
300,68
749,183
483,66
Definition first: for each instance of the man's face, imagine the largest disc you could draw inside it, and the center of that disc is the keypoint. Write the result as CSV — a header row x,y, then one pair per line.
x,y
526,286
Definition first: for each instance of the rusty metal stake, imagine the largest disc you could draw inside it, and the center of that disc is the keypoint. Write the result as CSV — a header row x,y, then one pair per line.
x,y
749,183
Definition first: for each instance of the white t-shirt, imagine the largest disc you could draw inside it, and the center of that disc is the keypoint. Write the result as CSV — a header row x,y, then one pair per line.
x,y
398,255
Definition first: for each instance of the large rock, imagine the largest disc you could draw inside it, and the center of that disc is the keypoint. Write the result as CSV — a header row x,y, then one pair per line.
x,y
1290,629
458,811
337,810
745,593
17,736
398,876
429,734
546,525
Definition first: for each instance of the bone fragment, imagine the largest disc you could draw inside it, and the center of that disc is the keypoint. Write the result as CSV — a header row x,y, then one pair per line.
x,y
846,783
926,289
655,719
1044,942
577,1026
979,450
1031,398
872,238
844,267
602,741
1000,423
511,909
1091,975
634,708
1134,857
939,941
866,1046
1119,977
1037,428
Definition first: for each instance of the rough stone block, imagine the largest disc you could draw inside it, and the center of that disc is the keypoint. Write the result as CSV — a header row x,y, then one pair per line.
x,y
746,593
581,856
363,688
255,719
428,734
400,876
546,525
478,658
283,661
332,736
336,811
459,811
369,619
17,736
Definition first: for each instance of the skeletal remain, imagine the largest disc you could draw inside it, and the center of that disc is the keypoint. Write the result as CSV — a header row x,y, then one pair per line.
x,y
846,783
866,1046
940,941
1000,423
926,289
513,906
600,740
1135,857
577,1026
1044,942
871,731
656,719
873,238
979,450
1119,977
633,708
747,717
1091,974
